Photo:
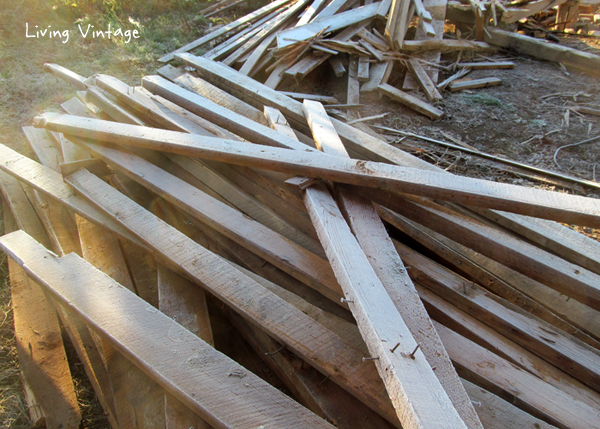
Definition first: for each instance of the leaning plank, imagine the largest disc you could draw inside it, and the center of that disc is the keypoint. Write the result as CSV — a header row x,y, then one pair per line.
x,y
285,323
530,260
559,239
570,316
196,374
217,114
389,268
474,83
487,65
544,50
224,30
332,23
279,251
51,183
378,74
67,75
44,147
572,356
415,391
410,101
424,80
517,385
42,357
306,162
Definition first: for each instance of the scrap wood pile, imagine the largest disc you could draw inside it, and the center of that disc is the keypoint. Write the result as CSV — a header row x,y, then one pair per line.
x,y
365,43
374,289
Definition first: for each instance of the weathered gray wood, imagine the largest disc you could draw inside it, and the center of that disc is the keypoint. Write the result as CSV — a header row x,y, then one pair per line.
x,y
44,147
445,45
544,50
474,83
302,334
415,391
517,385
545,204
383,258
424,80
284,254
486,336
410,101
42,358
568,315
110,107
487,65
222,400
331,23
530,260
564,351
227,28
51,183
67,75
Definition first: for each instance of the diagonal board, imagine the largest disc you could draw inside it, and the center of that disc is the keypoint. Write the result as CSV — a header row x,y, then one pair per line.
x,y
518,199
414,389
259,13
310,340
187,367
279,251
375,242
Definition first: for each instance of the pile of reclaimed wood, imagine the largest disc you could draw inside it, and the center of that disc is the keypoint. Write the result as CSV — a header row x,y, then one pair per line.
x,y
375,289
369,41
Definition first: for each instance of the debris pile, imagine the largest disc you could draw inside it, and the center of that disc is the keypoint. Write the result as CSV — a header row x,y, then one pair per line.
x,y
373,288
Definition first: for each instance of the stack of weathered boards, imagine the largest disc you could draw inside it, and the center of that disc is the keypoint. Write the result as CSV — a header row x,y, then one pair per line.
x,y
161,220
366,41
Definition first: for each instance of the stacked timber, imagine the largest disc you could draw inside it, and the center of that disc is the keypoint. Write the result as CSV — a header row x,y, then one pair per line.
x,y
189,239
367,43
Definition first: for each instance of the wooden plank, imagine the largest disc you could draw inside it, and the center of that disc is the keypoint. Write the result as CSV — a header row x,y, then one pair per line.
x,y
564,351
310,12
424,80
67,75
332,8
487,65
444,45
110,107
219,115
477,331
516,385
51,183
284,254
415,391
531,8
315,97
559,239
496,413
212,92
44,147
42,358
569,315
353,88
337,66
331,23
389,268
534,202
410,101
211,392
288,325
548,269
363,70
373,40
474,83
544,50
379,73
257,14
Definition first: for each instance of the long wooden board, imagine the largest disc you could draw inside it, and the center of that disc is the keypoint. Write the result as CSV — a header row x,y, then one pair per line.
x,y
211,392
316,344
534,202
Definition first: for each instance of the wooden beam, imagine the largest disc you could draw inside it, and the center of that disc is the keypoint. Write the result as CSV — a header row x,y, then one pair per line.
x,y
210,393
389,268
445,45
534,202
257,14
67,75
286,324
474,83
517,385
544,50
331,23
410,101
414,65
